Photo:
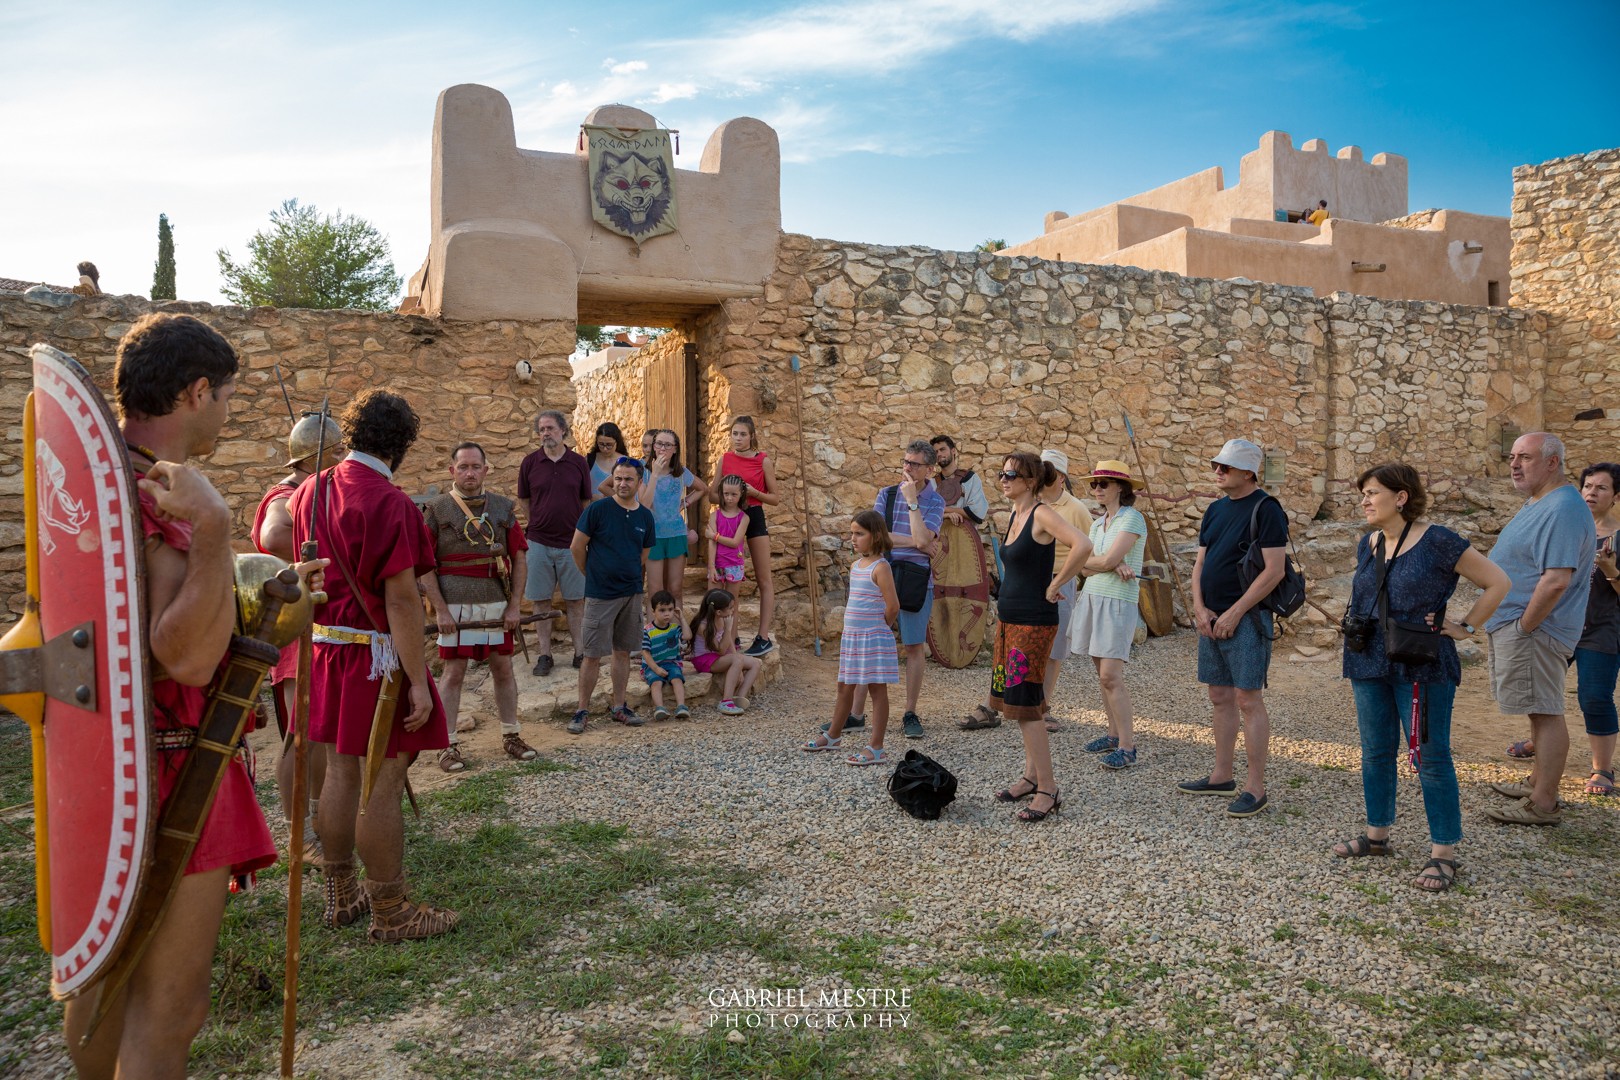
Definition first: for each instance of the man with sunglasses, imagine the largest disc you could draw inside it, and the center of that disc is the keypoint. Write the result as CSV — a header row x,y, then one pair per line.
x,y
479,577
1234,633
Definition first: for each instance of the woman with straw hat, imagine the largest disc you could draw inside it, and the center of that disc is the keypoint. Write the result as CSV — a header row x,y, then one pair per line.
x,y
1105,615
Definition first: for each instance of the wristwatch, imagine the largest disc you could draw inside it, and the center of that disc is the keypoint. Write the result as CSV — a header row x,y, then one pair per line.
x,y
1467,627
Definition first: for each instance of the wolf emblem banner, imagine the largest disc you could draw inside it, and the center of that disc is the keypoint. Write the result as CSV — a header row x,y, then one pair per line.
x,y
632,189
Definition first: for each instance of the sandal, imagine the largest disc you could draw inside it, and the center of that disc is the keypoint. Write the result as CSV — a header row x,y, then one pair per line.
x,y
980,718
867,755
1031,815
1524,748
1007,794
516,748
345,901
1363,846
450,759
394,918
821,742
1441,881
1602,783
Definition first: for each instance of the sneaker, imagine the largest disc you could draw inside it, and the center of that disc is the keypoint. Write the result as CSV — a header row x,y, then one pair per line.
x,y
578,659
1119,759
625,715
450,759
516,748
682,713
729,707
576,726
1101,745
1246,805
911,725
760,647
1525,812
1202,786
660,714
542,666
853,723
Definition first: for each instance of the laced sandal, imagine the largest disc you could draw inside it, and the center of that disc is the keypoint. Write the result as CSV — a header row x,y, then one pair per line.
x,y
450,759
1007,795
1439,880
516,748
1363,846
1031,815
394,918
345,900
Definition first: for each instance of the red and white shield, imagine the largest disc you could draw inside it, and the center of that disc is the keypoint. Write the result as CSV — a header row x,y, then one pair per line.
x,y
100,796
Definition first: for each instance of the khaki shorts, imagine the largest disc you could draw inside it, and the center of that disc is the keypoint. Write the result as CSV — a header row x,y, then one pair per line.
x,y
1527,671
612,625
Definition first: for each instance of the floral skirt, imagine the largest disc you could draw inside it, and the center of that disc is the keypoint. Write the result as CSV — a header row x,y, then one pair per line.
x,y
1016,681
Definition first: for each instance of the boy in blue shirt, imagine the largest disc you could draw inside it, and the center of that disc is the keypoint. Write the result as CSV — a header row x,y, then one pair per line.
x,y
661,657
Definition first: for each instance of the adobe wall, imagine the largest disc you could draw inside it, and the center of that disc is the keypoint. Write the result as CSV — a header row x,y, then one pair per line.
x,y
1008,354
1566,262
458,376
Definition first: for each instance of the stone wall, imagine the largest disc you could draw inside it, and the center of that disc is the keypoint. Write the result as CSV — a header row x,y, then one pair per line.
x,y
1566,263
459,376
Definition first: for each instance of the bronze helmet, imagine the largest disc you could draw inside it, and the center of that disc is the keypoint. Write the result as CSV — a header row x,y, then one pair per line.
x,y
306,439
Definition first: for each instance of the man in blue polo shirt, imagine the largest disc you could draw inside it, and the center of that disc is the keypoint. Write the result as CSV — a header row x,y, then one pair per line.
x,y
610,549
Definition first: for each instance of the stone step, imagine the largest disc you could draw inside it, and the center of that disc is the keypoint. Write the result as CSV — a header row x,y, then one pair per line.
x,y
556,696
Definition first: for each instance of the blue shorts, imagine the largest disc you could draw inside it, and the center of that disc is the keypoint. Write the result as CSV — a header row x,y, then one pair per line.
x,y
1242,660
914,624
675,672
667,547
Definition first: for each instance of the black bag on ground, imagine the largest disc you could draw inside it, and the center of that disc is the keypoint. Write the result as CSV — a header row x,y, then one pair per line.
x,y
1288,595
922,786
910,579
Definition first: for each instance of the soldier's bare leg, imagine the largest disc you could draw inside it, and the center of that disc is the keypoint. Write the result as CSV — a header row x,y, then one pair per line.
x,y
500,670
148,1034
378,835
455,673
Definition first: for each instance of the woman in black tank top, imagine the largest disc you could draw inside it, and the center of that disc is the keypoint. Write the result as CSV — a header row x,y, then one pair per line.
x,y
1028,619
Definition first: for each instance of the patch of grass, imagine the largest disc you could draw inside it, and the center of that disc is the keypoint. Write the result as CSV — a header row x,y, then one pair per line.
x,y
1297,781
1597,840
1440,1018
692,931
1371,891
792,1055
586,834
1454,962
1580,908
1017,928
1283,932
1046,976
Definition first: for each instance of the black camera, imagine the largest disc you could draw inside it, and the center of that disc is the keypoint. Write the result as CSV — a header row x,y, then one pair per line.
x,y
1358,632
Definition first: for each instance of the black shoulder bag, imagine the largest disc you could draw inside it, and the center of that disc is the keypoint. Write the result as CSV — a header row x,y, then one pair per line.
x,y
1288,595
910,580
1412,644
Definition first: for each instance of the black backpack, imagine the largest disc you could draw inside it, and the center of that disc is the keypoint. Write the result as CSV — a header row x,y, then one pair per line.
x,y
1289,594
922,786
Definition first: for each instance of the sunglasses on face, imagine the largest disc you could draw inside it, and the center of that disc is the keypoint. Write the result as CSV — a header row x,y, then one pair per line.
x,y
1095,484
1218,467
1011,476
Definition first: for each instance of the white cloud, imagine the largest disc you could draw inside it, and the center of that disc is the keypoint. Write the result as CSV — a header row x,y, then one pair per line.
x,y
673,92
629,67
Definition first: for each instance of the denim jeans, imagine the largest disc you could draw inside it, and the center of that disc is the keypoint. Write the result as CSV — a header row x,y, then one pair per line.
x,y
1383,712
1594,686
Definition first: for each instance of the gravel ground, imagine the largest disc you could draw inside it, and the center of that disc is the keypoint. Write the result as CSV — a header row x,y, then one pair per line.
x,y
1243,943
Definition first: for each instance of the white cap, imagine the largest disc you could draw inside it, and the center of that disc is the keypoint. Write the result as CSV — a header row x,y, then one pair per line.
x,y
1240,454
1057,459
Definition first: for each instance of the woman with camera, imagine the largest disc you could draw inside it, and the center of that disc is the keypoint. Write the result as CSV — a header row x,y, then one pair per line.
x,y
1400,657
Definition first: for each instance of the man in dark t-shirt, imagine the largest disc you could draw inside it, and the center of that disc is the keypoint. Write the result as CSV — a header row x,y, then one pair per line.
x,y
555,482
1234,633
610,550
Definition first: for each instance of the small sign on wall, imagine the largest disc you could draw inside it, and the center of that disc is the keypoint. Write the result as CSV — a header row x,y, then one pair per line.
x,y
632,181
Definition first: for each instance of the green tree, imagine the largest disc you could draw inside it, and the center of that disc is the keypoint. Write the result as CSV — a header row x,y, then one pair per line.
x,y
163,270
588,339
307,260
990,245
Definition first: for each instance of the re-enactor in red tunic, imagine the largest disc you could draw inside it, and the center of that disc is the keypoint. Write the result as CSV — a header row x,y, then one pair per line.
x,y
368,635
174,379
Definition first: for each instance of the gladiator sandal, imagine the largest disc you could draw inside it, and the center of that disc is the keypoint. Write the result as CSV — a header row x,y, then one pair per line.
x,y
345,902
394,918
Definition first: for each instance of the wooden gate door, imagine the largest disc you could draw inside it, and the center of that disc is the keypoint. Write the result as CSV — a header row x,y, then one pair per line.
x,y
672,404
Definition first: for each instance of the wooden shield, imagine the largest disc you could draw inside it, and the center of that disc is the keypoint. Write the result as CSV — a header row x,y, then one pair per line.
x,y
1155,601
961,596
100,793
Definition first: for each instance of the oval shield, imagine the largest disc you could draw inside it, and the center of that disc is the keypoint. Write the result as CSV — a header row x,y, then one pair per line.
x,y
100,797
961,596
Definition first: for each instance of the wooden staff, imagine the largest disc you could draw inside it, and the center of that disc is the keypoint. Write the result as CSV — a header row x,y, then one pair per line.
x,y
1175,575
804,492
300,792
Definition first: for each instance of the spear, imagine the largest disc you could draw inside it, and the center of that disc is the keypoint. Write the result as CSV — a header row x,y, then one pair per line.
x,y
1175,575
295,881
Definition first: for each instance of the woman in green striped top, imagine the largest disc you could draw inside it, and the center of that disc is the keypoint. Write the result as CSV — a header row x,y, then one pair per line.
x,y
1105,615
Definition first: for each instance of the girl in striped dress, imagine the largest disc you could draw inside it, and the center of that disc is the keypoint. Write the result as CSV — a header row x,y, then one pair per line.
x,y
866,652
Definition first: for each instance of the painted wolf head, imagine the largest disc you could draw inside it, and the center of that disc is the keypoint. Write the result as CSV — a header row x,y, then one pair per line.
x,y
633,190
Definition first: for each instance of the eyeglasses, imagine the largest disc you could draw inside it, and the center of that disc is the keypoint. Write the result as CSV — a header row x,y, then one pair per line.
x,y
915,464
664,445
1009,477
1218,467
1095,484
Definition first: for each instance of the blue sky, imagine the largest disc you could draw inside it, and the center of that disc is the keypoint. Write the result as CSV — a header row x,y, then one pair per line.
x,y
936,122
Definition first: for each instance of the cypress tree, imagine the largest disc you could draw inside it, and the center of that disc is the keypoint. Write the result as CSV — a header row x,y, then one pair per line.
x,y
163,273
